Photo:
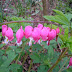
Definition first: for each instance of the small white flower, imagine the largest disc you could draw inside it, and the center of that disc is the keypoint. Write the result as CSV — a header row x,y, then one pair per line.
x,y
39,41
47,43
19,43
30,42
6,40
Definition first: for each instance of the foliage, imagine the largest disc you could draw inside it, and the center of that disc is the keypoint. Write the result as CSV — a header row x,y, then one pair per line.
x,y
67,41
60,18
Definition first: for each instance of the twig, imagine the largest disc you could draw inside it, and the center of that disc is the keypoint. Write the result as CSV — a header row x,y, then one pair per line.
x,y
28,22
49,22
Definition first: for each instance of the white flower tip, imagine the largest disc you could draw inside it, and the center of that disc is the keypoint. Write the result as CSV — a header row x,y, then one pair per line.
x,y
39,41
30,43
47,43
6,40
19,43
67,66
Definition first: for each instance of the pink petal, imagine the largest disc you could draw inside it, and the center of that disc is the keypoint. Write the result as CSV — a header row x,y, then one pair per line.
x,y
70,62
28,31
36,34
57,30
4,29
9,34
19,34
40,26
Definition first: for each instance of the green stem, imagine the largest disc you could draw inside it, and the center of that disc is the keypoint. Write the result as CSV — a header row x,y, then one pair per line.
x,y
25,58
63,66
58,60
20,53
30,66
30,62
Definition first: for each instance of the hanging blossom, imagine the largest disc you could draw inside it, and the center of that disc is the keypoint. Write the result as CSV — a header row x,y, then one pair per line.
x,y
19,36
44,33
57,32
8,33
40,27
51,35
36,34
28,34
4,29
70,63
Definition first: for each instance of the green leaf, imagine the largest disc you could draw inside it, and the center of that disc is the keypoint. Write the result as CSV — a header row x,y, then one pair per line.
x,y
70,48
2,52
42,68
14,67
68,16
58,12
4,70
62,37
36,58
61,14
36,47
11,57
1,45
60,18
50,51
69,69
57,18
66,33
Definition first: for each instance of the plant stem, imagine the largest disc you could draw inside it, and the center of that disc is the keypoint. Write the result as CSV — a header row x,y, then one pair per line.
x,y
63,65
28,22
20,53
58,60
25,58
30,66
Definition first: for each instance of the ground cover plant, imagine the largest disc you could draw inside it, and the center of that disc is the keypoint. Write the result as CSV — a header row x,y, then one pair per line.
x,y
41,44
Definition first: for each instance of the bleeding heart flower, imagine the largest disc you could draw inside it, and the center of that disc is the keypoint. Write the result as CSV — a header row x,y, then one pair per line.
x,y
28,31
9,34
28,34
51,35
70,63
4,29
44,33
36,34
57,30
19,36
40,26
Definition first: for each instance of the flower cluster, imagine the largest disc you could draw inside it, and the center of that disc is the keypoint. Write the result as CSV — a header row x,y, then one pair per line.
x,y
37,34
